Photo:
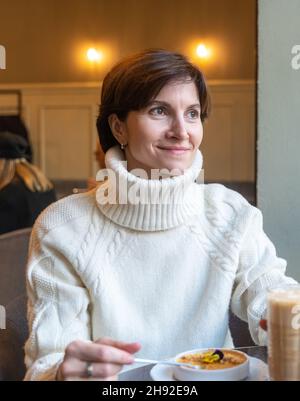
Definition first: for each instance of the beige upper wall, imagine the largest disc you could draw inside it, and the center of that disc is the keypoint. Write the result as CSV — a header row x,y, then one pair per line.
x,y
44,39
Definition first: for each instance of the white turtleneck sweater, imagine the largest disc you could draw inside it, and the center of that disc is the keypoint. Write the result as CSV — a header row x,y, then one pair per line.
x,y
164,274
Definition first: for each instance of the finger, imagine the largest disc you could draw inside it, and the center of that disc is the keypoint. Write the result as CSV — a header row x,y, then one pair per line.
x,y
89,351
76,368
129,347
132,348
105,370
263,324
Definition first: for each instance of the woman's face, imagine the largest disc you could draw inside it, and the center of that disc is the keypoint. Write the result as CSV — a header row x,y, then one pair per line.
x,y
167,133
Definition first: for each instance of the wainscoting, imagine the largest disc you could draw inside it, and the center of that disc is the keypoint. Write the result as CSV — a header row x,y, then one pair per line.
x,y
229,135
61,121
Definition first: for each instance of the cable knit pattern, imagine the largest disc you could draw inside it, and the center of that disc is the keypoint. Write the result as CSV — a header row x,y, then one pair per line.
x,y
163,275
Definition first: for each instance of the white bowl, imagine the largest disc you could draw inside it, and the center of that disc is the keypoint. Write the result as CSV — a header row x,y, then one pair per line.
x,y
239,372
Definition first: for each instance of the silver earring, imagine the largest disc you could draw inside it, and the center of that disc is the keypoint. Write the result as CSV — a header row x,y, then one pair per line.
x,y
123,146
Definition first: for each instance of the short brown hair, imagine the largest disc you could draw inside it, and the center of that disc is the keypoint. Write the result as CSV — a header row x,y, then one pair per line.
x,y
135,81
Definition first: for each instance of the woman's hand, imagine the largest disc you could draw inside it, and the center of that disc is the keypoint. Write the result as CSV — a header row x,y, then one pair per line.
x,y
263,324
102,359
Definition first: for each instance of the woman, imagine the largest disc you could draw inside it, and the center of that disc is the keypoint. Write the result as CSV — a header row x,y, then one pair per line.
x,y
149,263
24,189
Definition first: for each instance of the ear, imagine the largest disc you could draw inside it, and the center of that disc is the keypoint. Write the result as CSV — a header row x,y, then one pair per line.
x,y
117,128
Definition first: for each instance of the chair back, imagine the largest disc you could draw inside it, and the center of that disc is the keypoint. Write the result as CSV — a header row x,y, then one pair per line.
x,y
12,341
13,259
239,332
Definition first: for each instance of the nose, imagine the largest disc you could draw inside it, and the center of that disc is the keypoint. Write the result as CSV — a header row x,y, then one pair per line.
x,y
178,128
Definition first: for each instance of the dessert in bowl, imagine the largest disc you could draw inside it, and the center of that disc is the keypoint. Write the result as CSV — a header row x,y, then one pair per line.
x,y
213,364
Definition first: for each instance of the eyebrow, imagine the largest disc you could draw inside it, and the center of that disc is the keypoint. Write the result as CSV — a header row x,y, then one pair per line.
x,y
162,103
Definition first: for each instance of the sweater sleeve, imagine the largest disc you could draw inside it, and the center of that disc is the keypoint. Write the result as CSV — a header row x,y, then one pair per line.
x,y
58,304
259,270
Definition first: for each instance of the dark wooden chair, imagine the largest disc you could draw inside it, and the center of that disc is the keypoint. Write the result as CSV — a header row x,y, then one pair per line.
x,y
240,332
13,259
12,340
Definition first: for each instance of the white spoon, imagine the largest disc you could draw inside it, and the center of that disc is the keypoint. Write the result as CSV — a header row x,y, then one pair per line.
x,y
187,365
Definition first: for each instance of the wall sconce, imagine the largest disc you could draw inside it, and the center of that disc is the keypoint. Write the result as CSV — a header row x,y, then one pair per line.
x,y
203,52
93,55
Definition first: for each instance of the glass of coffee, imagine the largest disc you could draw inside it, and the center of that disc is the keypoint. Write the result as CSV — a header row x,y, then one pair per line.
x,y
284,333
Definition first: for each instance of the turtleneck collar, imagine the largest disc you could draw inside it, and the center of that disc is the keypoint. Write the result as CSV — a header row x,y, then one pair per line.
x,y
148,204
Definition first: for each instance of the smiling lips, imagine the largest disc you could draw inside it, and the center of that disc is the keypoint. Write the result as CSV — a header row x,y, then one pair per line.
x,y
175,150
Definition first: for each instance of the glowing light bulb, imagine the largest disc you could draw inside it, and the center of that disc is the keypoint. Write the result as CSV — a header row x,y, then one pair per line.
x,y
202,51
94,55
